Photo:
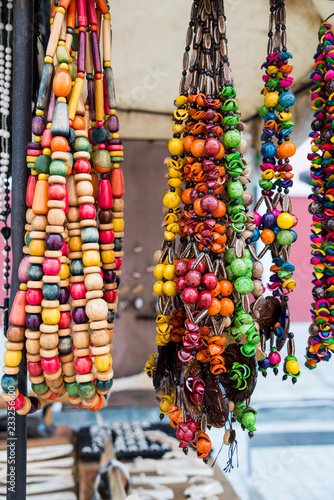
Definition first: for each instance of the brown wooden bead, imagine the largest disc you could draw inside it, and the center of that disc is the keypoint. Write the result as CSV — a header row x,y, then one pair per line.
x,y
60,389
53,376
48,328
75,400
86,199
38,223
118,205
14,346
49,340
10,370
91,269
37,235
33,357
35,284
25,408
32,335
91,402
32,346
66,358
29,215
50,279
54,229
110,286
50,303
103,349
46,394
87,377
56,382
64,332
105,227
81,340
9,397
53,254
76,279
56,217
94,294
69,369
84,188
97,309
64,307
90,246
80,328
36,380
105,375
99,325
73,214
105,216
34,260
48,353
99,337
15,333
56,179
75,255
88,223
79,303
70,379
80,353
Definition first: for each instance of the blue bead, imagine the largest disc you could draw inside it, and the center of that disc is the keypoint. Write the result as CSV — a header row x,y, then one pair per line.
x,y
295,236
51,291
89,235
60,120
71,136
44,85
35,272
77,267
104,385
287,99
256,235
268,150
9,383
270,116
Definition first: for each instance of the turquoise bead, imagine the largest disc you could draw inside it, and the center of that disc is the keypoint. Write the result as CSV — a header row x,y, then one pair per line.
x,y
287,99
51,291
35,272
89,235
99,135
60,120
44,85
77,267
9,382
268,150
58,167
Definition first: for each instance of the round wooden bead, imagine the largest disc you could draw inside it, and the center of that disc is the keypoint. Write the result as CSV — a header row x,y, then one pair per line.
x,y
98,325
10,370
99,337
69,369
36,379
48,354
99,350
30,334
49,340
118,205
81,340
56,217
82,353
16,333
84,188
33,357
38,223
74,399
97,309
105,375
46,394
94,281
48,328
14,346
90,403
66,358
94,294
32,346
73,214
87,377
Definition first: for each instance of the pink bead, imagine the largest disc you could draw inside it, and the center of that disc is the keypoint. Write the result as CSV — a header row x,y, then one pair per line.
x,y
87,211
107,236
104,195
66,200
34,152
46,138
115,147
257,218
17,404
276,212
118,263
34,296
51,266
78,291
23,269
274,358
50,365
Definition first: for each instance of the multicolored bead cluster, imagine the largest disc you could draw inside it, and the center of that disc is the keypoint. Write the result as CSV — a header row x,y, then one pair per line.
x,y
66,305
275,226
321,341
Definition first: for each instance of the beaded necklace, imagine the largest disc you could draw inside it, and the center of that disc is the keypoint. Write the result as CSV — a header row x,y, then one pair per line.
x,y
71,271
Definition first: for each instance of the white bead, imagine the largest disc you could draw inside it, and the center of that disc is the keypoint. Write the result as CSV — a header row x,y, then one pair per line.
x,y
9,27
8,50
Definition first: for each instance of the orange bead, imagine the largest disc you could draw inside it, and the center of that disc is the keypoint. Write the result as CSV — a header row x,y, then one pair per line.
x,y
285,150
62,83
197,148
267,236
221,210
215,291
187,142
79,123
220,155
227,307
117,183
214,308
40,201
59,143
226,288
186,196
198,209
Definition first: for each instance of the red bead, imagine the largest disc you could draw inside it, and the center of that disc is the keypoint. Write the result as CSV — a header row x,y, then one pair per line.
x,y
209,203
193,278
35,368
64,249
205,299
78,291
212,147
51,266
104,195
87,211
82,166
118,263
50,365
57,192
181,267
181,284
65,319
18,311
190,295
34,296
17,404
46,138
32,181
83,365
110,296
107,236
66,200
200,267
210,281
53,396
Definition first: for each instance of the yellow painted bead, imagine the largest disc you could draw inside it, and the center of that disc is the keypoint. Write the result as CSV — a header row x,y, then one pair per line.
x,y
115,135
23,286
178,128
64,272
118,225
112,111
169,272
43,177
171,200
158,271
75,244
48,59
103,362
47,151
271,100
51,316
107,256
37,138
12,358
175,146
37,248
39,112
285,220
34,172
181,100
169,288
158,288
292,367
91,258
61,99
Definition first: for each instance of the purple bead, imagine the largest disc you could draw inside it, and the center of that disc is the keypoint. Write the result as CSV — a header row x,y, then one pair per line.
x,y
38,125
34,405
268,219
118,281
79,315
264,363
54,241
64,295
96,52
52,105
115,142
23,269
33,321
91,99
109,276
34,145
113,123
82,52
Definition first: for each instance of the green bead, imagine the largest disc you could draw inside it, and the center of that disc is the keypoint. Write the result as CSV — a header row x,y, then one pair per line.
x,y
42,164
99,135
87,390
27,239
81,144
72,389
58,167
263,111
39,388
230,276
101,158
244,285
235,189
248,350
238,267
249,264
63,55
248,419
228,91
284,237
75,40
232,138
229,255
72,71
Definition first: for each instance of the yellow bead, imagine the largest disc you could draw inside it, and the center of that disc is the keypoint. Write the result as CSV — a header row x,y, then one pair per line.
x,y
107,15
75,244
178,128
91,258
48,125
30,159
181,100
47,151
107,256
60,9
285,220
175,146
12,358
48,59
170,236
158,271
174,182
43,177
51,316
292,367
118,225
171,200
112,112
115,135
63,66
64,272
34,172
37,248
271,100
169,288
103,362
23,286
169,272
39,112
157,288
61,99
37,138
